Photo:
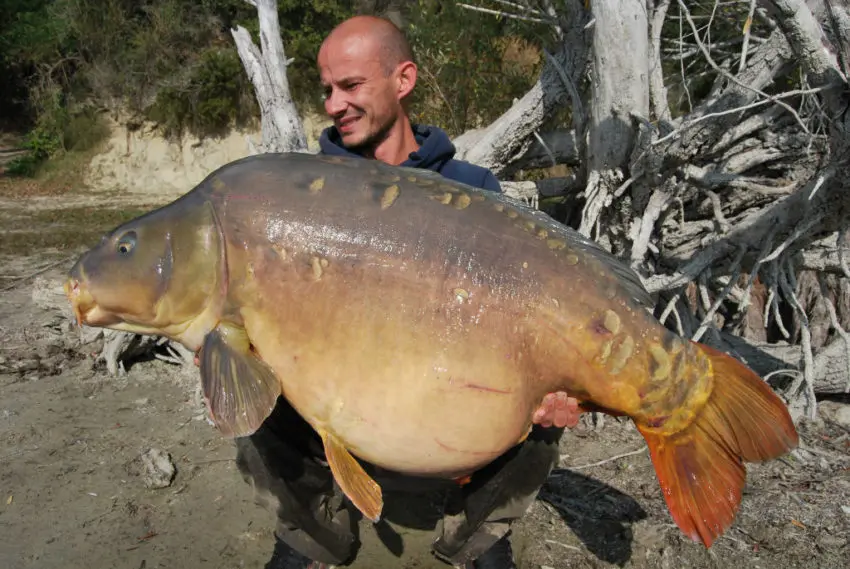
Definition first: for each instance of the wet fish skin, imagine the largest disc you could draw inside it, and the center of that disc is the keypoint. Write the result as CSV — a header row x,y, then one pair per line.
x,y
387,304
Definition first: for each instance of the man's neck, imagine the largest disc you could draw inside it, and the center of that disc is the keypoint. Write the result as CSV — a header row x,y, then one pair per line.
x,y
397,145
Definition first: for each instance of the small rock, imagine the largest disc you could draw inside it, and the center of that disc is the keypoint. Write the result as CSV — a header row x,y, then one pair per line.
x,y
846,510
802,455
154,467
831,541
89,334
842,415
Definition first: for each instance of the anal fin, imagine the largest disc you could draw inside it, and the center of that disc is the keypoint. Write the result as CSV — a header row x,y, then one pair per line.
x,y
240,389
360,488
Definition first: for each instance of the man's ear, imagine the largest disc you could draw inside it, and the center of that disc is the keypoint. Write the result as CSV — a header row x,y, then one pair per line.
x,y
406,79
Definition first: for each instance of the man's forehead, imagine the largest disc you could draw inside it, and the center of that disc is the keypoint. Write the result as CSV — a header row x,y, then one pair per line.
x,y
348,56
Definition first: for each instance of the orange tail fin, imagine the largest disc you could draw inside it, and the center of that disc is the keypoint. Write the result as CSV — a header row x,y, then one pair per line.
x,y
701,469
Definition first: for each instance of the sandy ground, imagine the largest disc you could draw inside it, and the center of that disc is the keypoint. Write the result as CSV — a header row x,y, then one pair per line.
x,y
73,493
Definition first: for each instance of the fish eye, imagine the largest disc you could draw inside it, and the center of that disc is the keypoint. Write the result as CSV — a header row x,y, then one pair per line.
x,y
126,243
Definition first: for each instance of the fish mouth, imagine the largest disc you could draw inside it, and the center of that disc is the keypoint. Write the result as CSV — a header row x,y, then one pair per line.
x,y
86,309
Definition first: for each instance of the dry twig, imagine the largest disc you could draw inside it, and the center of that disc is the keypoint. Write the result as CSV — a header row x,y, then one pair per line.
x,y
786,277
836,325
607,460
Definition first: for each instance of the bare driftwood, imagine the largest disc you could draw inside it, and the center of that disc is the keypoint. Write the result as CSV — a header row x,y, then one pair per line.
x,y
512,134
783,359
547,187
743,192
282,128
546,149
619,91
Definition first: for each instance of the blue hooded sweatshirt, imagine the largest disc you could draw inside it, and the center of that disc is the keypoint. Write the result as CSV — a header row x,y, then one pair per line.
x,y
436,152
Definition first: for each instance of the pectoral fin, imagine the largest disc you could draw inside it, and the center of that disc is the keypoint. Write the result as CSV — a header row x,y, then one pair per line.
x,y
363,492
240,389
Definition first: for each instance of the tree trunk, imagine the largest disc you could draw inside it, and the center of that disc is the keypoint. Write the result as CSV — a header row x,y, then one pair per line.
x,y
619,92
281,124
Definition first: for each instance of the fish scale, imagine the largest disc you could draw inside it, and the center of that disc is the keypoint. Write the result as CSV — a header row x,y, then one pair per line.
x,y
387,303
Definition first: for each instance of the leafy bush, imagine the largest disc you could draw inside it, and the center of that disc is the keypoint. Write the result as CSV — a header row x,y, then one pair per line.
x,y
472,65
218,95
175,63
167,60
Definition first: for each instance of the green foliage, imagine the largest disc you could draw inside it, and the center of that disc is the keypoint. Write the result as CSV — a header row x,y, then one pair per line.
x,y
57,132
218,94
471,65
304,25
175,63
167,60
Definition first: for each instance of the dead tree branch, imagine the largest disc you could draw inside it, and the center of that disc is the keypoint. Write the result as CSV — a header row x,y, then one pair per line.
x,y
281,125
509,136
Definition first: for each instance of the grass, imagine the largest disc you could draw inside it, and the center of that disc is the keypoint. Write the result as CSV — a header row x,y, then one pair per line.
x,y
62,174
27,232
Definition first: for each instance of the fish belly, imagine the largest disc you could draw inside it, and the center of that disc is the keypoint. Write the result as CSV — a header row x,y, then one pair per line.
x,y
404,393
415,422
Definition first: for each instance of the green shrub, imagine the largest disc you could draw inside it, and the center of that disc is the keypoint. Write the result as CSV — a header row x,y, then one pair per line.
x,y
471,65
175,63
217,95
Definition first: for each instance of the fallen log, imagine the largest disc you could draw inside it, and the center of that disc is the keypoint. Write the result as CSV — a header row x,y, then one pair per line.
x,y
769,360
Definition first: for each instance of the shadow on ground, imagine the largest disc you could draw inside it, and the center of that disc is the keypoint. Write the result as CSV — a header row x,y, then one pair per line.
x,y
599,515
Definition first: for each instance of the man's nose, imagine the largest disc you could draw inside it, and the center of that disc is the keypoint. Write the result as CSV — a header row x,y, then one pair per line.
x,y
335,104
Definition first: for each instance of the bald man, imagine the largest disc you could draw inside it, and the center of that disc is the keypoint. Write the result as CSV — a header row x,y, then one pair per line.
x,y
368,73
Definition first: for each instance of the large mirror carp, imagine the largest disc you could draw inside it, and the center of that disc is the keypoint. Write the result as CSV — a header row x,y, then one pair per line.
x,y
416,323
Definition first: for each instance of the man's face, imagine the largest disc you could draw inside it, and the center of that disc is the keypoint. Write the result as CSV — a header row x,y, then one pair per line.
x,y
360,98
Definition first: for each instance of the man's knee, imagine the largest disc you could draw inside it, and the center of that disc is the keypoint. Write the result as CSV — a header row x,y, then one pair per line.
x,y
329,535
481,513
285,468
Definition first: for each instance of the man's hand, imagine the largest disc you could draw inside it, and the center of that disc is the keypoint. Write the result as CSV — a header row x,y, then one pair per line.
x,y
558,410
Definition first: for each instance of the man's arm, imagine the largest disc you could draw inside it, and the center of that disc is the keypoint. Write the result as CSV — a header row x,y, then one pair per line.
x,y
490,182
